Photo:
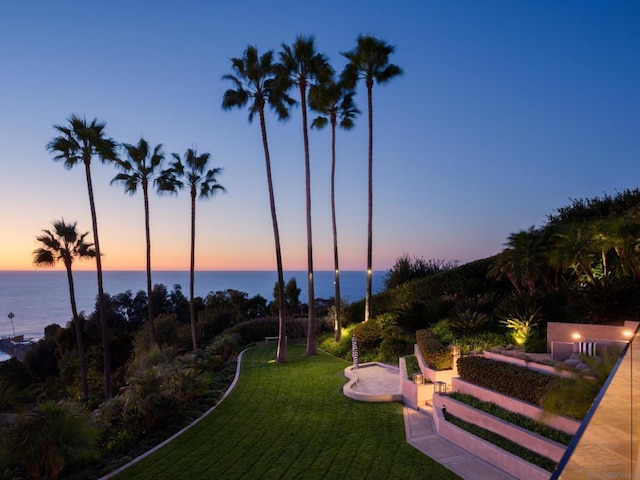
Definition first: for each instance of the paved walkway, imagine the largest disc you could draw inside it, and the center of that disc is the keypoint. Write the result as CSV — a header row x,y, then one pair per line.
x,y
379,382
421,434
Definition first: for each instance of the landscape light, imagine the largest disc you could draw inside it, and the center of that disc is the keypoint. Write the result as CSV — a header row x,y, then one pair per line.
x,y
576,336
627,334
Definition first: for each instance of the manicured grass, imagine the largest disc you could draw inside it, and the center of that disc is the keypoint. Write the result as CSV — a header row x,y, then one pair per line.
x,y
290,421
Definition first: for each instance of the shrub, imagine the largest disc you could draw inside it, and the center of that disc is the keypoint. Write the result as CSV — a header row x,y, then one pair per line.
x,y
340,349
512,380
256,329
469,321
53,436
412,365
435,353
394,343
535,343
442,330
369,334
480,342
573,396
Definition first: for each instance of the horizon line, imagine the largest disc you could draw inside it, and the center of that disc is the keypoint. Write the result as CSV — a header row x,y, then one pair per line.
x,y
181,270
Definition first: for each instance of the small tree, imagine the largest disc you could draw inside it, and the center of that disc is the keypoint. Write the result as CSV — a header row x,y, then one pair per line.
x,y
291,296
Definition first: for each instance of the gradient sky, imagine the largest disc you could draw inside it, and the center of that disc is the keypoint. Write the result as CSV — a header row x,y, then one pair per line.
x,y
506,111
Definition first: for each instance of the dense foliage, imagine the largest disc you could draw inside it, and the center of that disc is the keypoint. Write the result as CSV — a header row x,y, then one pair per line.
x,y
517,382
409,268
435,354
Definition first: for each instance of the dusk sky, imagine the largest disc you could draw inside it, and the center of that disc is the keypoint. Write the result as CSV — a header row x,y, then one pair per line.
x,y
505,112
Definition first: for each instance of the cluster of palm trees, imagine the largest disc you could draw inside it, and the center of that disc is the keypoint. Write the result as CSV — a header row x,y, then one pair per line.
x,y
260,82
79,142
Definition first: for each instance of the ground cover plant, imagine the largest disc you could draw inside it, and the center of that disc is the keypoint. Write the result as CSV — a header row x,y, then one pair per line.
x,y
504,443
292,421
513,418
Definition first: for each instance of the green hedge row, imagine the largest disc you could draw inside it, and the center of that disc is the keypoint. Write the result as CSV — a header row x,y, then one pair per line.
x,y
435,354
504,443
512,380
514,418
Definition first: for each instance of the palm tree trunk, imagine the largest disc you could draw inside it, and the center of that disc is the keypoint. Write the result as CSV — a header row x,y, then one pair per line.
x,y
192,306
311,323
101,309
367,300
78,328
147,230
336,264
281,356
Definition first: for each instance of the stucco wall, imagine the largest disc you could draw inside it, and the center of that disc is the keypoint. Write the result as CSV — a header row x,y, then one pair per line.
x,y
564,333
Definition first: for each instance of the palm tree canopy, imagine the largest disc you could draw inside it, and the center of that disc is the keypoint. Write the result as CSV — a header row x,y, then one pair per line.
x,y
193,171
140,167
300,64
369,61
255,79
332,99
80,141
62,244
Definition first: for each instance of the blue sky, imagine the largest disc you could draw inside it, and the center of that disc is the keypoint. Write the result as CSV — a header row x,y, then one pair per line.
x,y
506,111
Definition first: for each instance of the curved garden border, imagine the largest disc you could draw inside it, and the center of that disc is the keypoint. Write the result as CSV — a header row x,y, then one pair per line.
x,y
177,434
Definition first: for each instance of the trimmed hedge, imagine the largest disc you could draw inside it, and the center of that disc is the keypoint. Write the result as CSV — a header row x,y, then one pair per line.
x,y
435,354
506,378
514,418
504,443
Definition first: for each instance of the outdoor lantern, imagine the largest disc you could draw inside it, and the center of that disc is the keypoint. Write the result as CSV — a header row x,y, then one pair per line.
x,y
439,387
455,350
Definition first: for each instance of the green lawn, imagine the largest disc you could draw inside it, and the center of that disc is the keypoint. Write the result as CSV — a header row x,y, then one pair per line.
x,y
290,421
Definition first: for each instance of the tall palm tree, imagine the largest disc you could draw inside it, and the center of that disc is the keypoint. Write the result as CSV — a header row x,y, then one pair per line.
x,y
254,83
141,168
301,66
80,142
369,61
334,101
202,183
64,244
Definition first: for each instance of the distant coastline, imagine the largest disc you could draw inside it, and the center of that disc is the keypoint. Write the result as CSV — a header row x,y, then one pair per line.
x,y
9,349
39,298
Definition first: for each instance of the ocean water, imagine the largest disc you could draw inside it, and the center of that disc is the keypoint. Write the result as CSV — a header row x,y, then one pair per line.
x,y
40,298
